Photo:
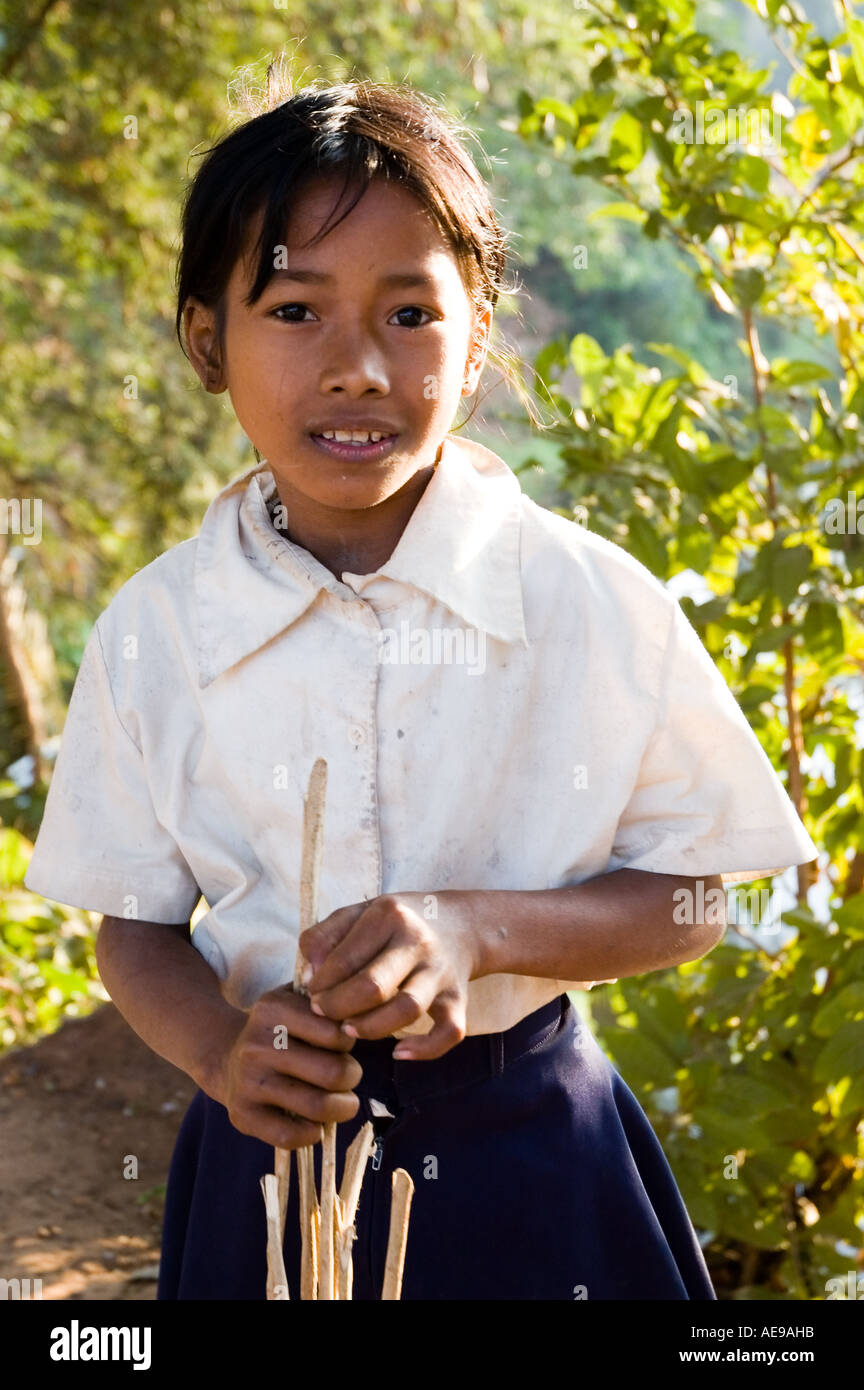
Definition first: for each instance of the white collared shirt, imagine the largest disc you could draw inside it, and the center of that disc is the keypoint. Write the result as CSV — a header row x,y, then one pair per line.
x,y
510,702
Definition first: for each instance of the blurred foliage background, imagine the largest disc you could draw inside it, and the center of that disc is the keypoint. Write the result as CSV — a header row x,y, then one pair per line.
x,y
690,321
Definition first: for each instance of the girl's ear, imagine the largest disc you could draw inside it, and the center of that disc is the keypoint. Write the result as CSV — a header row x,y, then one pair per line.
x,y
200,325
478,350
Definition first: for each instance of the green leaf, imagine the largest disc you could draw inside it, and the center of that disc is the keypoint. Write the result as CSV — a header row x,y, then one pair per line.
x,y
625,211
843,767
850,917
800,917
524,103
646,545
788,568
740,1093
640,1059
855,30
751,582
749,285
756,172
853,1101
13,858
587,356
626,143
786,373
847,1006
695,548
670,1013
602,72
801,1167
843,1055
676,354
727,1132
823,632
752,696
551,106
768,641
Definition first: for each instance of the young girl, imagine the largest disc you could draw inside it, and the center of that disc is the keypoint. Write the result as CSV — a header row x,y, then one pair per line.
x,y
532,761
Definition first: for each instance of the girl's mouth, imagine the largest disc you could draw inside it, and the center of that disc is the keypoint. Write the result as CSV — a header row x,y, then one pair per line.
x,y
361,453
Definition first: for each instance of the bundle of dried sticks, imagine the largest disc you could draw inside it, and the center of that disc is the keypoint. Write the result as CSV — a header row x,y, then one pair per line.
x,y
327,1225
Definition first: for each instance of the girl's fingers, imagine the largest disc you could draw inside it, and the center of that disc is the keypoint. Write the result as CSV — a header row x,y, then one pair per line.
x,y
374,985
367,935
301,1101
316,942
448,1011
281,1015
273,1126
329,1070
410,1002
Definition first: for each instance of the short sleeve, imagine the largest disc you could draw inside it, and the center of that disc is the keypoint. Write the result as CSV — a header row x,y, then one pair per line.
x,y
100,845
707,799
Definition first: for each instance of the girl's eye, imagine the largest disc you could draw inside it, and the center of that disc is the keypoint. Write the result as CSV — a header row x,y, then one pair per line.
x,y
414,309
280,308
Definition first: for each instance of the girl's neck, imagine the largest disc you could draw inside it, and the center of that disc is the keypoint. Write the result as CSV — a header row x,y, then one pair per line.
x,y
357,542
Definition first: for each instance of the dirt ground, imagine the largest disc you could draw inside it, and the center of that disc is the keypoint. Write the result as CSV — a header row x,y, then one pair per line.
x,y
76,1110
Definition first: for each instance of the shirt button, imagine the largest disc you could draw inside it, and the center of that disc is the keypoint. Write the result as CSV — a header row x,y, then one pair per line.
x,y
357,734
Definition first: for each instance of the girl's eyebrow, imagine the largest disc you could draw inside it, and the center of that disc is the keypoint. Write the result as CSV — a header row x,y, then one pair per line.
x,y
408,280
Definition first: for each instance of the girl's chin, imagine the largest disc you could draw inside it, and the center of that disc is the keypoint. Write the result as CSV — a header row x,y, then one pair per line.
x,y
347,492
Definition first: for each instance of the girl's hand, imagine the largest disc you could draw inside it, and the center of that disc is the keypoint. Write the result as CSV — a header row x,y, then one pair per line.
x,y
287,1072
380,965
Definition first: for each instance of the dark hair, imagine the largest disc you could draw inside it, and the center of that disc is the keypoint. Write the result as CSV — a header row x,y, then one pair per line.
x,y
363,129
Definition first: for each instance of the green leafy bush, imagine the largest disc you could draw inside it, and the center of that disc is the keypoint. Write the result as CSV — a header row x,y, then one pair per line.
x,y
47,959
749,1062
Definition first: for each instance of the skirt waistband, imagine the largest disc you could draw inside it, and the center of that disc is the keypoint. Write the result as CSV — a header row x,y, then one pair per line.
x,y
474,1059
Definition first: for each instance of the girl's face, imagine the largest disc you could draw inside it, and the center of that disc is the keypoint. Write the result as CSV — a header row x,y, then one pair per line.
x,y
371,327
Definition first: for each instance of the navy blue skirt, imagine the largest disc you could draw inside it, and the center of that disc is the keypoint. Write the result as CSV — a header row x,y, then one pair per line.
x,y
536,1173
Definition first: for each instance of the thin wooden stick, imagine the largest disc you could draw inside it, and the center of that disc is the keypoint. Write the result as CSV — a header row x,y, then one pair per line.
x,y
310,872
308,1224
283,1174
313,846
345,1237
327,1248
400,1209
316,1242
276,1276
356,1158
277,1280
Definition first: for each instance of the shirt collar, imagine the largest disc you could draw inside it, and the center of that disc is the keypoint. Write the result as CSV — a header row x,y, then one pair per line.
x,y
461,546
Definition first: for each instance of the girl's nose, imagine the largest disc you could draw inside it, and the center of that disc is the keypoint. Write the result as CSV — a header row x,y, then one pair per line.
x,y
356,364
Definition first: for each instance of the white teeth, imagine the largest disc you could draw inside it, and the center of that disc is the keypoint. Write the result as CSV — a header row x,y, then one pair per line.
x,y
354,436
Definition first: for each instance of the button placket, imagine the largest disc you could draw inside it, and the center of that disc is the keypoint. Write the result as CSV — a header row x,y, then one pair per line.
x,y
362,734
